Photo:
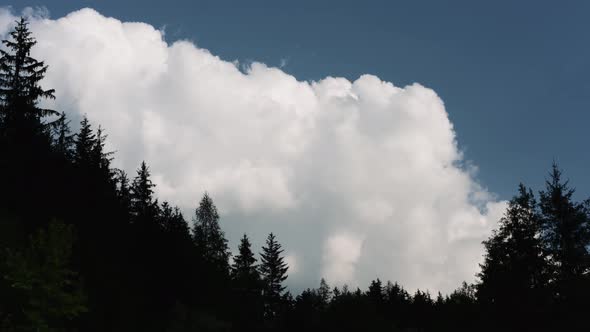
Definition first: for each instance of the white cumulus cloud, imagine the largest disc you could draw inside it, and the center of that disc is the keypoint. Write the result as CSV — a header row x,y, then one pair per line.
x,y
358,179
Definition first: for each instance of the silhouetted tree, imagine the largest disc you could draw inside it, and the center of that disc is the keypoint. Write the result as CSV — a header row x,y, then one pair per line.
x,y
244,270
144,207
84,143
208,236
247,286
274,272
212,249
375,292
25,136
324,293
514,273
20,91
566,236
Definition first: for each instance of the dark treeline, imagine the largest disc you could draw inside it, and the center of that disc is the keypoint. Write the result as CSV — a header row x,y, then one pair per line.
x,y
86,247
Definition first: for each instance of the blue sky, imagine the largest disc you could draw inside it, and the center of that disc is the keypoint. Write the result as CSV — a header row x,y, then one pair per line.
x,y
512,74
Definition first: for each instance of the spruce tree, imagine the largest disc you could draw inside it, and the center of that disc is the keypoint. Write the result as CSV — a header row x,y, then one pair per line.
x,y
173,222
25,136
514,269
20,92
515,274
375,292
213,256
244,270
566,233
83,144
247,287
208,236
325,293
273,270
144,207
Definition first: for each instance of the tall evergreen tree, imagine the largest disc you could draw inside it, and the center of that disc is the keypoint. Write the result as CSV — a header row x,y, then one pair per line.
x,y
213,256
515,269
375,292
247,287
25,137
274,272
244,270
208,236
514,275
83,144
20,92
566,233
144,207
325,293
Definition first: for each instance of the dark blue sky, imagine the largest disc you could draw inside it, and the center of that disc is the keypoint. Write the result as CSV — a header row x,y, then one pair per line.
x,y
513,74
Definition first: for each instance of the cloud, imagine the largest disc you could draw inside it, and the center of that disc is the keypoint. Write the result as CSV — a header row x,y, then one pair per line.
x,y
358,179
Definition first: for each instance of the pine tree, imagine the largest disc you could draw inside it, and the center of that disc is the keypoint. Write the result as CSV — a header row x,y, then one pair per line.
x,y
173,222
84,143
25,137
274,272
514,274
514,268
20,91
208,236
247,287
244,270
324,293
143,206
566,233
376,292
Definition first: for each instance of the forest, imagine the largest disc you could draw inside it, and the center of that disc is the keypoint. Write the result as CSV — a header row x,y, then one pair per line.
x,y
86,247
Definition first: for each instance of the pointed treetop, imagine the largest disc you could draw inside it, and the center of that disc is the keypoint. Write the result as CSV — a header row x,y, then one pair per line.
x,y
20,75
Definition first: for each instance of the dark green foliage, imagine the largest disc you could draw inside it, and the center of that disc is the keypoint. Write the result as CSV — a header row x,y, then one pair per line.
x,y
47,292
